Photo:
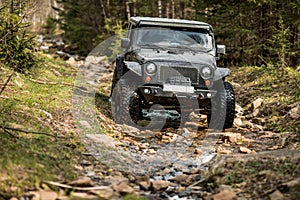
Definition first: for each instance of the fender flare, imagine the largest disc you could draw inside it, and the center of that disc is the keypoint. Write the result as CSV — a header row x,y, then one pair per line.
x,y
221,73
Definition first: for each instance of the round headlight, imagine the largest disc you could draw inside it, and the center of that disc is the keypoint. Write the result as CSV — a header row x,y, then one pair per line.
x,y
206,72
151,68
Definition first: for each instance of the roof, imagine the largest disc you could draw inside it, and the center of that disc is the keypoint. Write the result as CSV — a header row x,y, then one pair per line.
x,y
168,22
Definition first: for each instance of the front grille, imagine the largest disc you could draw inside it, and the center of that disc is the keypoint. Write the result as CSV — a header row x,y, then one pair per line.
x,y
166,73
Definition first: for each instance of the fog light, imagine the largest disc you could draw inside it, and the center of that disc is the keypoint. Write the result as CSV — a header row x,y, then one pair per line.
x,y
148,79
147,91
208,95
207,83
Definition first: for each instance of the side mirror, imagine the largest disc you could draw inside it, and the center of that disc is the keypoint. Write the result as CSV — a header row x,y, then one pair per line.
x,y
125,43
221,49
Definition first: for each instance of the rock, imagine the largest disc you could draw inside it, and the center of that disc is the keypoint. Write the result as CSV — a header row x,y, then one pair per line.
x,y
85,124
139,179
259,121
180,178
255,113
123,188
106,193
289,185
44,195
101,138
71,61
225,195
151,151
163,172
239,110
245,150
94,59
82,196
194,171
197,151
238,122
192,125
157,185
257,128
130,129
277,195
145,185
232,137
256,104
222,150
247,124
295,112
82,182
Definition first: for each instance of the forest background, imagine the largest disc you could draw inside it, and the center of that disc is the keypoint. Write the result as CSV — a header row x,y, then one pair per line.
x,y
256,32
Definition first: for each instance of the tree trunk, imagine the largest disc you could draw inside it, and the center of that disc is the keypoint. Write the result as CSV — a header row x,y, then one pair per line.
x,y
108,8
127,10
167,9
159,8
102,9
173,8
134,8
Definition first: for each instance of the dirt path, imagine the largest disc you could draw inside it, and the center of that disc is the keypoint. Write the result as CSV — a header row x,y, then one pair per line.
x,y
187,162
174,163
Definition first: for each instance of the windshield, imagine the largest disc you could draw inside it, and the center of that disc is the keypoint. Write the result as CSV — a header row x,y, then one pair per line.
x,y
193,38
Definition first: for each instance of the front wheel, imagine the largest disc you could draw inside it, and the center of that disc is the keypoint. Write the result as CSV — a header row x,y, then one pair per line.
x,y
125,107
223,108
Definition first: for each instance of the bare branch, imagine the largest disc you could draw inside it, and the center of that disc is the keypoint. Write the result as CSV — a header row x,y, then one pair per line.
x,y
5,128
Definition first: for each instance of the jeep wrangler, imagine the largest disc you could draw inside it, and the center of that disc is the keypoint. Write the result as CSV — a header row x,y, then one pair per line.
x,y
168,68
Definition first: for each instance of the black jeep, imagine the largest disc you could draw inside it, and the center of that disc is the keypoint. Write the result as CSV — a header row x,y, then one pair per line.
x,y
168,68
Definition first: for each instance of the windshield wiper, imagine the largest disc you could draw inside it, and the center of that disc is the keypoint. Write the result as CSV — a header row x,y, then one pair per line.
x,y
159,48
196,51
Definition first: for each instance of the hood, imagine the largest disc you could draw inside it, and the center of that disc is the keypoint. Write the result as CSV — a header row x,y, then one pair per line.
x,y
187,56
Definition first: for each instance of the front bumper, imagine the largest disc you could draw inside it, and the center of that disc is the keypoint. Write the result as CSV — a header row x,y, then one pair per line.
x,y
150,92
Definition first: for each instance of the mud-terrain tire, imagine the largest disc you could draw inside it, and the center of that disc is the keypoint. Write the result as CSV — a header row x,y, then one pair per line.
x,y
124,104
118,72
224,104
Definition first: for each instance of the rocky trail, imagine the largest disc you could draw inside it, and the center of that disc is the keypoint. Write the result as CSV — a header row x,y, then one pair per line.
x,y
186,162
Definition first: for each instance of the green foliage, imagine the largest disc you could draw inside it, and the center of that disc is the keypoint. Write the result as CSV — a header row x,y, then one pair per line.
x,y
16,41
281,44
50,26
29,159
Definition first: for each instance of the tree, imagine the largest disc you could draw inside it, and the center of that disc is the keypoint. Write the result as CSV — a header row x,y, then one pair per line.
x,y
16,40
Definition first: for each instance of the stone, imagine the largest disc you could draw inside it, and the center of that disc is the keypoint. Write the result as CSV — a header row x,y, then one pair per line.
x,y
94,59
259,121
145,185
295,112
238,122
256,104
225,195
82,196
105,193
197,151
123,188
85,124
101,138
180,178
45,195
222,150
245,150
157,185
192,125
255,113
82,182
277,195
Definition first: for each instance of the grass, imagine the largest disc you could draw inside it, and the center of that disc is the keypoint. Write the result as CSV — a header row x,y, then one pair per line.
x,y
28,159
279,89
